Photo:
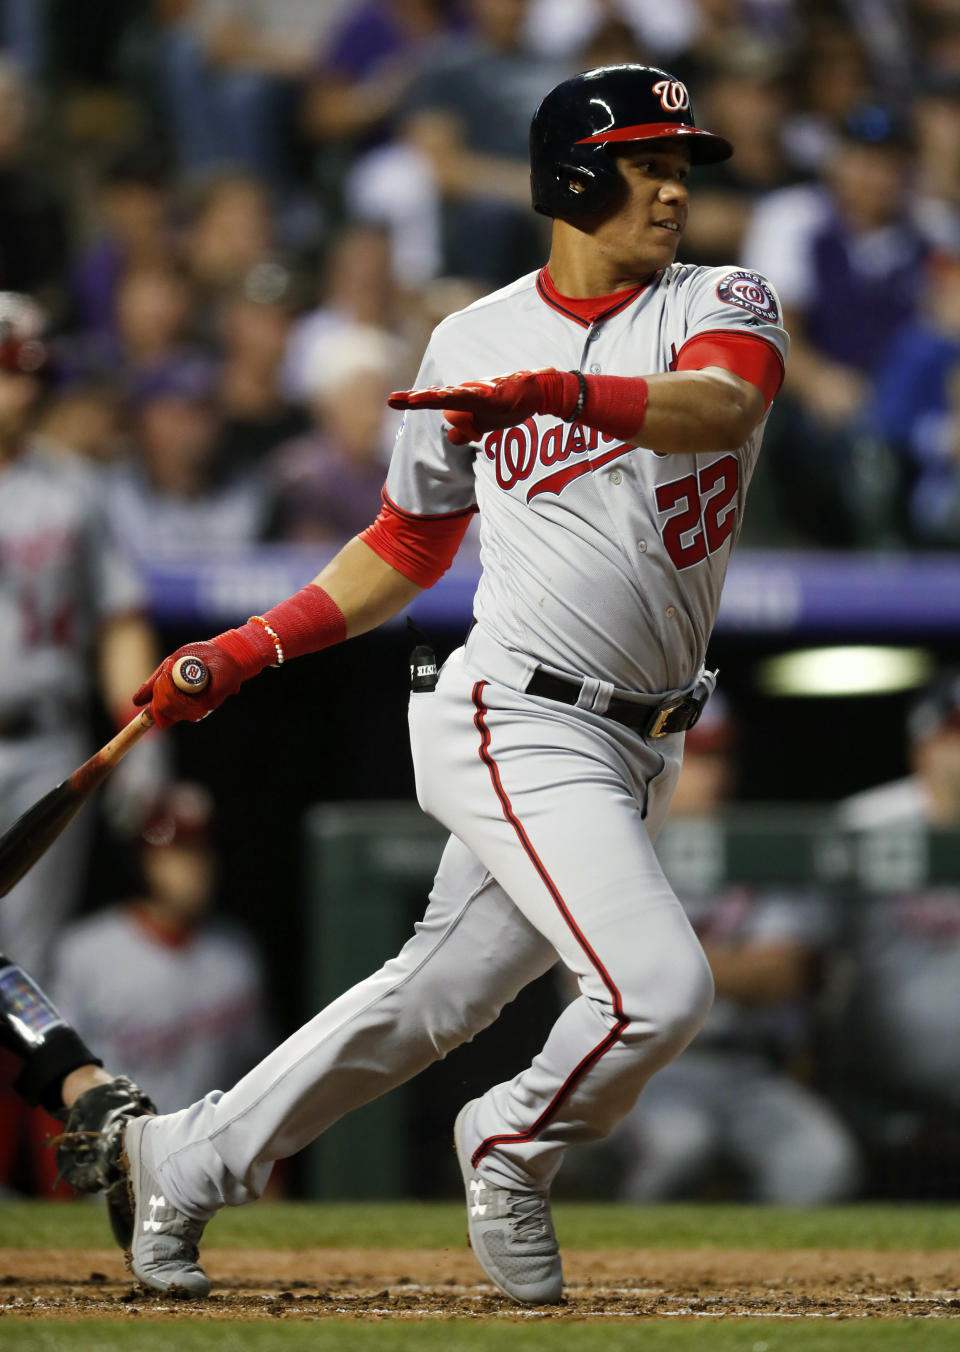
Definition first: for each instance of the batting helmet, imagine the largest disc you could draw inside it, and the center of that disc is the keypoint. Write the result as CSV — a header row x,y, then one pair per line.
x,y
580,118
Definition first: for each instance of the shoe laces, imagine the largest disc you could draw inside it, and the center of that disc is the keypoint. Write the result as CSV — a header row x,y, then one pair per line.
x,y
528,1211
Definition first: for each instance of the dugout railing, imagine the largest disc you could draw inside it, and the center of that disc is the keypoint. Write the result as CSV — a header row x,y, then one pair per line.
x,y
369,867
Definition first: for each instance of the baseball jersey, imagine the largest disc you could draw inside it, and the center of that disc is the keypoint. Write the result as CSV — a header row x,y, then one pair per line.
x,y
62,573
180,1018
598,558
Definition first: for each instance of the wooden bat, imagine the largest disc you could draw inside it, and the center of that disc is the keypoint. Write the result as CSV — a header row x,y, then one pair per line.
x,y
32,834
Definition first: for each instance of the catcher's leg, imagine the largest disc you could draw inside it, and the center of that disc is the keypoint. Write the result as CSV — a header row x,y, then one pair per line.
x,y
468,957
61,1074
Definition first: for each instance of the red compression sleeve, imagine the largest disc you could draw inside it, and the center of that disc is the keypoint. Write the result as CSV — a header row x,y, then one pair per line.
x,y
304,623
419,547
746,355
307,621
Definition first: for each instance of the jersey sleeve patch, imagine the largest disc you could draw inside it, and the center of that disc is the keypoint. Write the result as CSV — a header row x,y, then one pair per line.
x,y
750,292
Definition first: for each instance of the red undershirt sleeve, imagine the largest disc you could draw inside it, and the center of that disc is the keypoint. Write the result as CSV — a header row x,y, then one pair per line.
x,y
422,548
745,354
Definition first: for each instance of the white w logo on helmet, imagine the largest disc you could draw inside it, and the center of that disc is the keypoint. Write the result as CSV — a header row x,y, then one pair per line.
x,y
673,95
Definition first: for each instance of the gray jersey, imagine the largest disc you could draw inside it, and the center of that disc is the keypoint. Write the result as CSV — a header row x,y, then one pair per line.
x,y
178,1018
62,573
598,558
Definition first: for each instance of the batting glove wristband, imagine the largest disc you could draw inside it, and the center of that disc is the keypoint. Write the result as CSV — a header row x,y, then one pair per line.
x,y
304,623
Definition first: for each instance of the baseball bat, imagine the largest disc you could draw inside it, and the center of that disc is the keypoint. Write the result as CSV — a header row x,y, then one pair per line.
x,y
32,834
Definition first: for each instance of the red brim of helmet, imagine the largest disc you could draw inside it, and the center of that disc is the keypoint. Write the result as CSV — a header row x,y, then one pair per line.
x,y
704,147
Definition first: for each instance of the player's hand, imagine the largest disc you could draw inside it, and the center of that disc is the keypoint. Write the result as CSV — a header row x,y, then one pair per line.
x,y
480,406
227,672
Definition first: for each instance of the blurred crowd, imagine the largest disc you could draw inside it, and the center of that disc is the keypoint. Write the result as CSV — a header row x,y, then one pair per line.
x,y
244,216
241,220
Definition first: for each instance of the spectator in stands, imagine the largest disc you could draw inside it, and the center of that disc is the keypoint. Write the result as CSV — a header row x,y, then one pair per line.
x,y
833,80
898,1045
358,287
847,256
326,484
34,246
917,408
171,991
745,99
374,53
154,316
458,191
83,418
169,498
730,1102
229,233
254,326
133,230
231,73
936,120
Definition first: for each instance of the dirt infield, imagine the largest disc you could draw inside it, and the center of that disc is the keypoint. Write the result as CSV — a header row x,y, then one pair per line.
x,y
431,1283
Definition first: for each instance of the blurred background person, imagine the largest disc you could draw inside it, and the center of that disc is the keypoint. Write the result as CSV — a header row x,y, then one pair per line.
x,y
847,255
897,1050
71,624
228,232
170,989
131,228
34,236
171,495
731,1108
254,325
325,485
357,286
460,181
916,408
231,75
83,418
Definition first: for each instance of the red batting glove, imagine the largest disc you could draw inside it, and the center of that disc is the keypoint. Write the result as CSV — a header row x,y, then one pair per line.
x,y
230,659
481,406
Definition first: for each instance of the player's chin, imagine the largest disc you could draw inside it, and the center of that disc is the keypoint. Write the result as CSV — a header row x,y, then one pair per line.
x,y
665,242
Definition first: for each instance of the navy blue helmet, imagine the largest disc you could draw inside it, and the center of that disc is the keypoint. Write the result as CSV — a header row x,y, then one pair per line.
x,y
580,118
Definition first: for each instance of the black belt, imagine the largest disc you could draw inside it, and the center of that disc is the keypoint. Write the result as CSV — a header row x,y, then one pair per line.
x,y
676,714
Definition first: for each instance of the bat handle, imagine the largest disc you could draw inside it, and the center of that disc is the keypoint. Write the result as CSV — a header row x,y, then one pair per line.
x,y
190,675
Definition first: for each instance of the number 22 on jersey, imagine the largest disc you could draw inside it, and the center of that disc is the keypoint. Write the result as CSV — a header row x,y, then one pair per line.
x,y
703,511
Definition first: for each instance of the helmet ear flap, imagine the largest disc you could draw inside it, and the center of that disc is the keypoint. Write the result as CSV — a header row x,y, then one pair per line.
x,y
598,189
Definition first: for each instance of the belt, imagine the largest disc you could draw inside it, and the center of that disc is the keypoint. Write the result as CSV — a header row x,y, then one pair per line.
x,y
676,714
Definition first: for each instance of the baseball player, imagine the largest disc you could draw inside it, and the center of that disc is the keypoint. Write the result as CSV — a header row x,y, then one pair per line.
x,y
161,987
67,591
610,482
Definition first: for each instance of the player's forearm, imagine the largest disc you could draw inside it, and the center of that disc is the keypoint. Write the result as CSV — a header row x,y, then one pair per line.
x,y
691,411
82,1079
365,588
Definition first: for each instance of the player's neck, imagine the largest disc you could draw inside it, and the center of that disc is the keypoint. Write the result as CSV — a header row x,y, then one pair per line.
x,y
581,273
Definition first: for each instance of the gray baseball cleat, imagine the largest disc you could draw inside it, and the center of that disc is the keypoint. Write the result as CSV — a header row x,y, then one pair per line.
x,y
163,1251
511,1233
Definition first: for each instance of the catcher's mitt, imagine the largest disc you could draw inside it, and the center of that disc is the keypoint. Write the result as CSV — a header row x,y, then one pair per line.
x,y
89,1148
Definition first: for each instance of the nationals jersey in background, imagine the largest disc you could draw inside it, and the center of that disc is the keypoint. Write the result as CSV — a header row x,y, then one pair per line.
x,y
599,558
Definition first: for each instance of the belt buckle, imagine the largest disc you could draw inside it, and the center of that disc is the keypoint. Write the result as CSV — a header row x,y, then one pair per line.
x,y
658,729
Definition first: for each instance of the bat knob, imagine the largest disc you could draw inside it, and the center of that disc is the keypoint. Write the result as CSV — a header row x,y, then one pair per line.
x,y
190,675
